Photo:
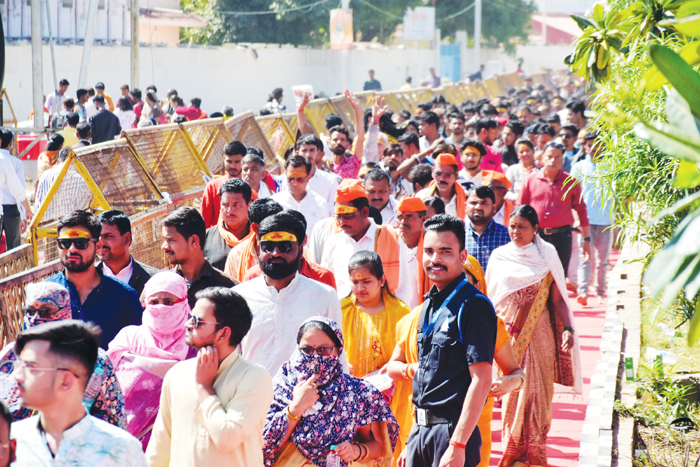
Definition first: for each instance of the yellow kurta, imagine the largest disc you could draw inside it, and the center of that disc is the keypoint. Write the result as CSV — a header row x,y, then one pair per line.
x,y
370,340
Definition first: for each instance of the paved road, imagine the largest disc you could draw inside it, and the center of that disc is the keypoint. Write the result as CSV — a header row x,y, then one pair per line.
x,y
568,411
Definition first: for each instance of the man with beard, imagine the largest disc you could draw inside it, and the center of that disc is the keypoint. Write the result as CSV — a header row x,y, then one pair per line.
x,y
184,237
456,339
410,214
281,299
94,296
511,133
346,164
211,202
212,407
483,233
377,184
488,131
444,186
457,127
472,153
233,226
113,251
392,158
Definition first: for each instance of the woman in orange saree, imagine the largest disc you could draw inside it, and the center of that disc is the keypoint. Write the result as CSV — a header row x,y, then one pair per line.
x,y
527,287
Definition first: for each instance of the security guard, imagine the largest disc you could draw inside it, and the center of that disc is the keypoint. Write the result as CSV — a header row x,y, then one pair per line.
x,y
456,340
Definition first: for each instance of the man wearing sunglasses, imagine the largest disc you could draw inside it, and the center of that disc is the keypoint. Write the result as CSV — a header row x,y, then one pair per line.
x,y
94,296
572,155
55,363
281,299
554,194
212,407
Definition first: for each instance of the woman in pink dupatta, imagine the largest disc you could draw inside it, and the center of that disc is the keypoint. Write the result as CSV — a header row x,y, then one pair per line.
x,y
526,284
143,354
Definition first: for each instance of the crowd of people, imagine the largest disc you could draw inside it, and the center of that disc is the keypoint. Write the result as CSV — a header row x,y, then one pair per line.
x,y
349,310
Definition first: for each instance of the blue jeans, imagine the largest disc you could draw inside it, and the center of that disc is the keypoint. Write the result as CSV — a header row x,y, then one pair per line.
x,y
601,242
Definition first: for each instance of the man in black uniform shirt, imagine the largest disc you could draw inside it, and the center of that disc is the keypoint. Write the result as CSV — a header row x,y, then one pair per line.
x,y
456,341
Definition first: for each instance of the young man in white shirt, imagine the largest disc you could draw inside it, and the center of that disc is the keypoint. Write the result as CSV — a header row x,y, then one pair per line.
x,y
472,153
297,196
54,366
281,299
322,183
12,220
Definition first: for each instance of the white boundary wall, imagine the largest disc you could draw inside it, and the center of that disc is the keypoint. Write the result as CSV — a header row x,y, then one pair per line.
x,y
233,76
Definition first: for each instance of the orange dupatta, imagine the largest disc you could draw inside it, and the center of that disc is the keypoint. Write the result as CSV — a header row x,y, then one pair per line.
x,y
386,245
461,200
232,240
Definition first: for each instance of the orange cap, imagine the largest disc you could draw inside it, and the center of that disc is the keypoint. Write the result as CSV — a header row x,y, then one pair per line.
x,y
446,158
489,176
349,190
411,204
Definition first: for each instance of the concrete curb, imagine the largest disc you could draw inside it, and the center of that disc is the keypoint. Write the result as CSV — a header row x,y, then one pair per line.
x,y
598,441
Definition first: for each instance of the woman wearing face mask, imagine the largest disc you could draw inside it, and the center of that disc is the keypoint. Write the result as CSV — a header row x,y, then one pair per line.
x,y
320,411
49,301
143,354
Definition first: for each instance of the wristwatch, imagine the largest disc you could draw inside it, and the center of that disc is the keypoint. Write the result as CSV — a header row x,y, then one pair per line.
x,y
586,239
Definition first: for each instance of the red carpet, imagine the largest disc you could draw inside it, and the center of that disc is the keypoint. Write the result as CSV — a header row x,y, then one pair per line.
x,y
568,411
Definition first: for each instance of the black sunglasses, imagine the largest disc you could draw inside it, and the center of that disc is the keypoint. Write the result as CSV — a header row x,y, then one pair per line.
x,y
269,247
197,321
43,312
80,243
321,351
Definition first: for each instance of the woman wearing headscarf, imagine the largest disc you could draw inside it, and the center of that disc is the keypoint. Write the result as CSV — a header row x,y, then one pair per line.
x,y
404,363
49,301
143,354
528,289
320,411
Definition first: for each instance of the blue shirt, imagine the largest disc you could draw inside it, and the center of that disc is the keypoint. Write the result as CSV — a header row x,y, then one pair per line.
x,y
481,246
112,305
598,204
89,443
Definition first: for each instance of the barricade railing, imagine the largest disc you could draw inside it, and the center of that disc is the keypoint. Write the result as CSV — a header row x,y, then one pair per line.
x,y
149,172
12,297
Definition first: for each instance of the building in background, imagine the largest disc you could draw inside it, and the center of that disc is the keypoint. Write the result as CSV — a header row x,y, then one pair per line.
x,y
160,21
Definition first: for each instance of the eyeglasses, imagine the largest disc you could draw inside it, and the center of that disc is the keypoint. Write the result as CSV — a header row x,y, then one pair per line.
x,y
197,321
165,301
566,136
552,144
22,367
444,175
347,216
296,179
80,243
320,351
269,247
43,312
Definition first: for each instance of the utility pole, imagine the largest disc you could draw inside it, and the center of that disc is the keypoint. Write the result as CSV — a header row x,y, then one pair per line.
x,y
477,34
544,22
87,42
37,65
134,44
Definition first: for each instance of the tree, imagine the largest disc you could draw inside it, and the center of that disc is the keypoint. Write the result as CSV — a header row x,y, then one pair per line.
x,y
503,22
306,21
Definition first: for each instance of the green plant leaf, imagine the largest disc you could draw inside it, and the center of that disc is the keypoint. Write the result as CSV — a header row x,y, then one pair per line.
x,y
654,79
688,8
690,25
694,329
677,206
679,115
688,175
582,22
679,73
669,140
599,14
